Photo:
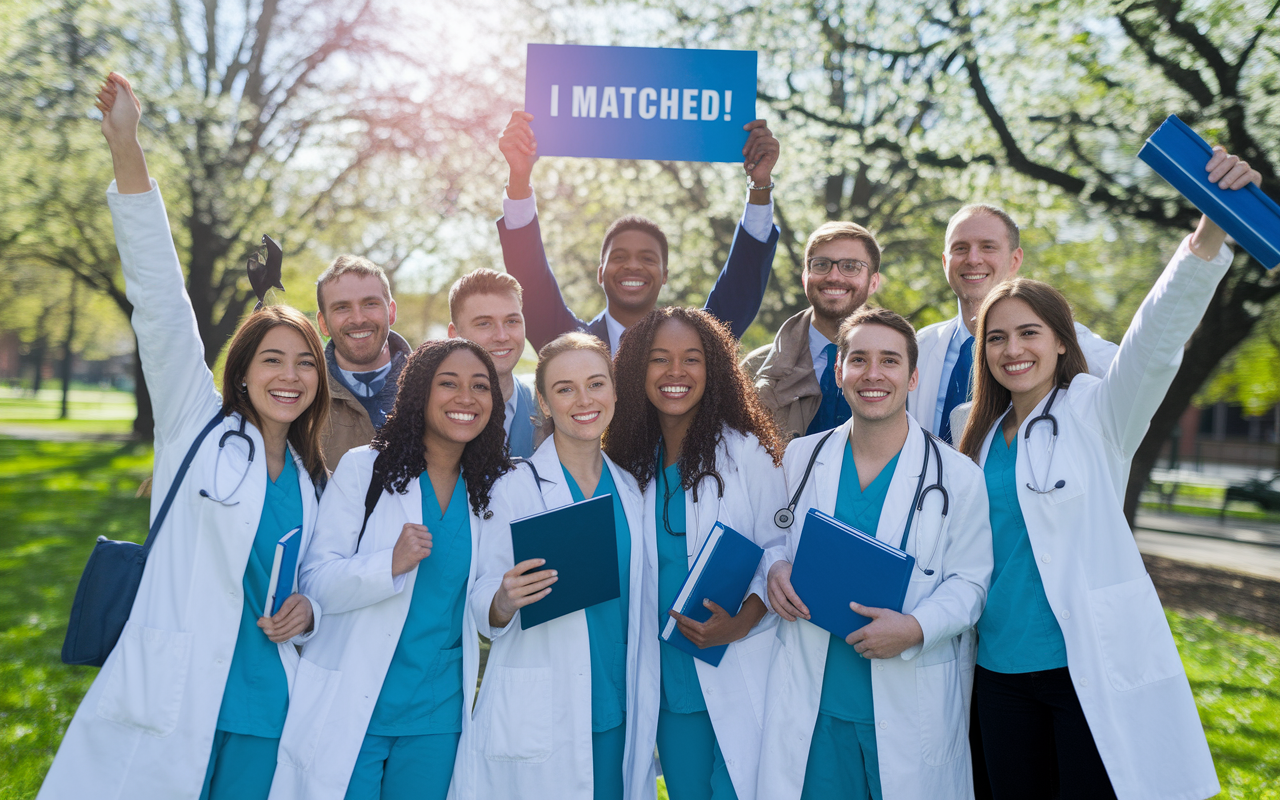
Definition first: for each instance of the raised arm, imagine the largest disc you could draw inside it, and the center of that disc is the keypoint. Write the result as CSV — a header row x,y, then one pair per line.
x,y
740,288
169,344
545,313
1151,350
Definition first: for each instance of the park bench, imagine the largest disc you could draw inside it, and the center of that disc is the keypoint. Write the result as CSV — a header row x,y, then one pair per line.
x,y
1266,493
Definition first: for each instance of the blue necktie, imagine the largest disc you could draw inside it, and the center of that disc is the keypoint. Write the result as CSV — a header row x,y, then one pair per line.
x,y
372,381
834,409
958,388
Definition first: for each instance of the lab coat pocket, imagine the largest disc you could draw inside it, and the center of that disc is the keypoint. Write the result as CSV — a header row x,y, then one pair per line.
x,y
148,678
1137,646
519,709
754,654
943,724
314,689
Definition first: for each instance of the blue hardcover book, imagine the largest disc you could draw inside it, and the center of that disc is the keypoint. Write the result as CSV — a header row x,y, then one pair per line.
x,y
579,542
721,573
837,564
1178,155
283,567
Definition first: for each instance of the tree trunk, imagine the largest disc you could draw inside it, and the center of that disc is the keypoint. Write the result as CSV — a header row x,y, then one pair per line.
x,y
67,355
144,424
37,355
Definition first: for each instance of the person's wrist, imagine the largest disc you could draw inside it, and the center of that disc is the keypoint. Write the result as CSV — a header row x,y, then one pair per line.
x,y
519,187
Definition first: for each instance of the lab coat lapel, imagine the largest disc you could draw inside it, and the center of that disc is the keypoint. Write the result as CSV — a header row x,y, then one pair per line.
x,y
554,488
826,472
247,500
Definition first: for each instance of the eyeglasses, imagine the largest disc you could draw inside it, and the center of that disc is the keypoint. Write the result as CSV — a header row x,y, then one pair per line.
x,y
848,266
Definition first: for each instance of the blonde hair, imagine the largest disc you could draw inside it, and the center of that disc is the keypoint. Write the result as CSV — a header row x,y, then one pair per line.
x,y
482,281
565,343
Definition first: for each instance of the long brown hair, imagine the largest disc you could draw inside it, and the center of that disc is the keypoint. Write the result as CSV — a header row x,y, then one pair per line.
x,y
304,432
402,456
990,399
565,343
728,401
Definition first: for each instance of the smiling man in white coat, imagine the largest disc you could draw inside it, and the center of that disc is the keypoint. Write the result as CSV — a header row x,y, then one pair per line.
x,y
983,249
883,713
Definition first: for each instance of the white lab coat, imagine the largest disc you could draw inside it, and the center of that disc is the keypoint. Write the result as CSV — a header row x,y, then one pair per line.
x,y
1121,655
341,672
933,340
733,691
920,697
531,732
146,727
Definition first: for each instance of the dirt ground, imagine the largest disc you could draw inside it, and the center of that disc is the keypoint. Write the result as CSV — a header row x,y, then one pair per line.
x,y
1205,590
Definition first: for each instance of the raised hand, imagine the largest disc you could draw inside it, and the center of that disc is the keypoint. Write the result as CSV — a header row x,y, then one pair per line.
x,y
782,596
760,154
121,112
887,635
294,617
520,588
1229,172
413,545
520,148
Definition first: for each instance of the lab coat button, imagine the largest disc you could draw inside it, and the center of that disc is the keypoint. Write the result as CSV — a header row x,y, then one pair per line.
x,y
884,725
880,667
1084,681
1045,558
1066,615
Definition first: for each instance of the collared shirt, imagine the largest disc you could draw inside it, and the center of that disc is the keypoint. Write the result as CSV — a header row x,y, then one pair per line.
x,y
615,331
362,389
958,337
510,407
817,346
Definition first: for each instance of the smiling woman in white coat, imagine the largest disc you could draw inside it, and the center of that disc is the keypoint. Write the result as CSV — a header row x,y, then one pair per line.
x,y
191,702
691,430
568,707
1076,665
384,691
882,713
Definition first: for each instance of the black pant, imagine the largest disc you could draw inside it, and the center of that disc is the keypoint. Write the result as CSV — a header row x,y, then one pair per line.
x,y
1035,737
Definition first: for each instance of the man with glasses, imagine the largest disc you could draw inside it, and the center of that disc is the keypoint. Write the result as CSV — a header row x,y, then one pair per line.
x,y
795,376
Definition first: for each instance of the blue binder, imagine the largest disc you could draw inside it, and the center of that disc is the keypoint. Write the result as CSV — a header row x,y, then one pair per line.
x,y
837,564
721,573
580,542
283,567
1178,155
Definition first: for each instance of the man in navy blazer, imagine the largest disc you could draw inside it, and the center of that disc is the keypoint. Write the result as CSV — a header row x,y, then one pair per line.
x,y
633,256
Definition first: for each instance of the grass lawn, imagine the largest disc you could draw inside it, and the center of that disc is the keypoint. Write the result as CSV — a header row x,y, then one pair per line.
x,y
58,497
89,411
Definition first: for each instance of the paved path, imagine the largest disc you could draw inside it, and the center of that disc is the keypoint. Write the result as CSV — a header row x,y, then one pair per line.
x,y
1238,545
20,431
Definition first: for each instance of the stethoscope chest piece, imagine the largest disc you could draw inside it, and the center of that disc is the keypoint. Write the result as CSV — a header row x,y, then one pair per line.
x,y
784,517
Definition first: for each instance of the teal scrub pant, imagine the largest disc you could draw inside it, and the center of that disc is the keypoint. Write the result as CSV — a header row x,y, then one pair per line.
x,y
240,767
397,767
843,761
691,759
607,749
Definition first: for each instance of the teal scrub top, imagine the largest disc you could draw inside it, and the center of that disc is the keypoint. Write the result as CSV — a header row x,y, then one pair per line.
x,y
846,679
422,692
256,698
1017,631
607,622
681,691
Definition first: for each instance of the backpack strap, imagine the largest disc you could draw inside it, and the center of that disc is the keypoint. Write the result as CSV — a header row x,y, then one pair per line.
x,y
177,481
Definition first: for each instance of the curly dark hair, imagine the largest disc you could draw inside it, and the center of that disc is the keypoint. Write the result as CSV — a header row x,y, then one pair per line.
x,y
402,456
729,400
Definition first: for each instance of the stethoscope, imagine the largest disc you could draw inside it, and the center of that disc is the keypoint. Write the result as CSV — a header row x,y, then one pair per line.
x,y
784,517
1045,416
668,492
218,460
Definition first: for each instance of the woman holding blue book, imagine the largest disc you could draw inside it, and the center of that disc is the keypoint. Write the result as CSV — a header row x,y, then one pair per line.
x,y
383,694
192,700
1076,665
691,430
561,712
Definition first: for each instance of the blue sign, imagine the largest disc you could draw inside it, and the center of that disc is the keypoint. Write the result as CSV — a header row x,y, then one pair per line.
x,y
640,102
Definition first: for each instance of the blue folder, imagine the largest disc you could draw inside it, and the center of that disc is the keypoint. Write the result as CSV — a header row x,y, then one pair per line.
x,y
1178,155
721,573
283,567
836,564
580,542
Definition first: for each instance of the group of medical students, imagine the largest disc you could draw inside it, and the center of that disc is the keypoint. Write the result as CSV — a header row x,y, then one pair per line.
x,y
407,560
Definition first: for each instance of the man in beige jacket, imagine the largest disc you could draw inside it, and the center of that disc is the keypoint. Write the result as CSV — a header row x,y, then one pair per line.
x,y
364,355
841,269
